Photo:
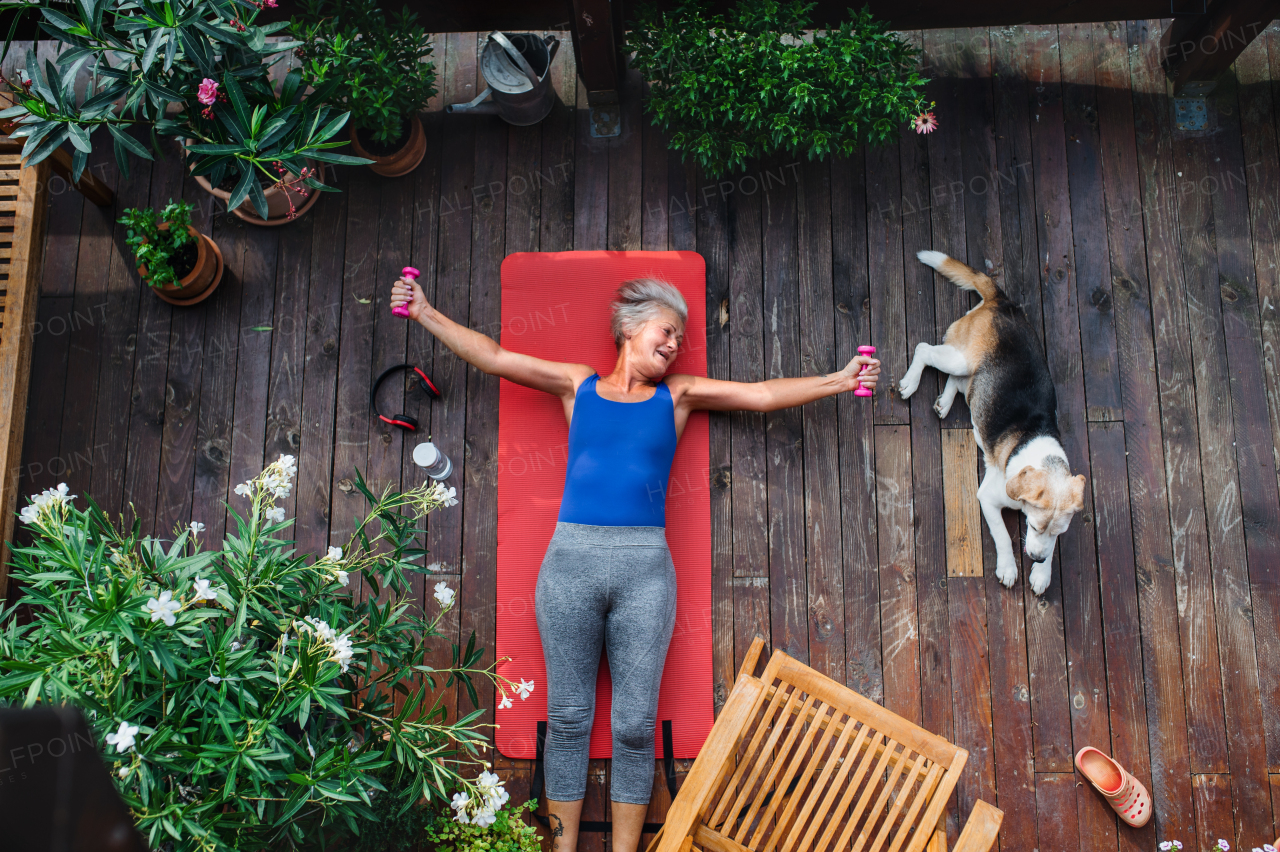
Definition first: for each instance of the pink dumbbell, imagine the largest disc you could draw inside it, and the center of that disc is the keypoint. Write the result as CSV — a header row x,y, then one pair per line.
x,y
864,350
412,274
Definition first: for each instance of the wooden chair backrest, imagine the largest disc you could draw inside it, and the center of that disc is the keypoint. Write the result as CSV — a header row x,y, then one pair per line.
x,y
812,767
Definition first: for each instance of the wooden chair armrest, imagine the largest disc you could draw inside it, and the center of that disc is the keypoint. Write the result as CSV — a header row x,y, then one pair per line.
x,y
752,659
980,831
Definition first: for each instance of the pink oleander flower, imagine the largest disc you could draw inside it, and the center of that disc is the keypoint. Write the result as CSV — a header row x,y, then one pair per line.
x,y
208,92
925,122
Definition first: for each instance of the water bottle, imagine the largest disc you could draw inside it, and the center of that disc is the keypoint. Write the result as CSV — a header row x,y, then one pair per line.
x,y
428,456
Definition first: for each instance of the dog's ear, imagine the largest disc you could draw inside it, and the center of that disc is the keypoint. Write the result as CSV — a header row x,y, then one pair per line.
x,y
1027,486
1076,492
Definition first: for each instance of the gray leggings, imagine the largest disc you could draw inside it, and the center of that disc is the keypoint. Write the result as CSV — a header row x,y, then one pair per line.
x,y
616,586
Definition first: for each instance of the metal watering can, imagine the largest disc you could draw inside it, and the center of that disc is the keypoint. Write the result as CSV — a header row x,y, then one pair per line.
x,y
515,66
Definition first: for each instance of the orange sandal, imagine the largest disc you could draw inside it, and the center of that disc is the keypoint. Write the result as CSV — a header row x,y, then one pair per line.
x,y
1122,791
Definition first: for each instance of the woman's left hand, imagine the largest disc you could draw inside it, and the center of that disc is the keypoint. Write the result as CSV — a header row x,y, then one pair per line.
x,y
869,375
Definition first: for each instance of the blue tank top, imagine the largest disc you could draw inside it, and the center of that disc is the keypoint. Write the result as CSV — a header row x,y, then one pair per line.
x,y
620,457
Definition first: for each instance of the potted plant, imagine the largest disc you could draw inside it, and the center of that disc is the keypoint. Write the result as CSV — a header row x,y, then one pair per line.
x,y
195,70
383,74
752,83
182,265
242,696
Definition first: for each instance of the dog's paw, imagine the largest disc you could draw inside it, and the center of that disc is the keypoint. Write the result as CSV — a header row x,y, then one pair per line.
x,y
931,258
907,385
1007,571
942,405
1039,577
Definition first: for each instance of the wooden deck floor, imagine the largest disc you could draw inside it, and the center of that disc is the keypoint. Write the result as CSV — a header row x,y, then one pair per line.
x,y
1146,256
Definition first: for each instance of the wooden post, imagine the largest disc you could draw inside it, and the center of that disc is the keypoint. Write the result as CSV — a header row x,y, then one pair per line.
x,y
1196,50
595,47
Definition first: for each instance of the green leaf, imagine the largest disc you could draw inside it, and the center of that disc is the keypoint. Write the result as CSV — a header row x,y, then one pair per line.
x,y
129,142
247,179
236,95
79,138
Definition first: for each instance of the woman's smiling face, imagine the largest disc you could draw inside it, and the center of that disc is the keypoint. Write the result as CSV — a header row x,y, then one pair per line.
x,y
654,345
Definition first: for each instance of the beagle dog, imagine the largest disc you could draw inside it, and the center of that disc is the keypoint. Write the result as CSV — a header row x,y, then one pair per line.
x,y
991,356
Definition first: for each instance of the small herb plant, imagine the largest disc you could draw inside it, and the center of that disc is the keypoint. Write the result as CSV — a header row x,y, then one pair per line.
x,y
156,249
754,82
381,64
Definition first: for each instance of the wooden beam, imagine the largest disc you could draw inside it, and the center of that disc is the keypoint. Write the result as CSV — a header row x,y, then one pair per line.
x,y
595,47
1195,51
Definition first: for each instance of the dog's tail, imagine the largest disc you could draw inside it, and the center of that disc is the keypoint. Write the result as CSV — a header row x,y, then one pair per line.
x,y
960,275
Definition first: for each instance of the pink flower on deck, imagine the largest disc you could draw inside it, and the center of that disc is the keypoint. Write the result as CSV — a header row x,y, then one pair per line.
x,y
208,92
925,122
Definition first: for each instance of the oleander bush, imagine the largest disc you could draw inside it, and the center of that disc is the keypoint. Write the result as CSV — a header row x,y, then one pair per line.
x,y
243,698
759,81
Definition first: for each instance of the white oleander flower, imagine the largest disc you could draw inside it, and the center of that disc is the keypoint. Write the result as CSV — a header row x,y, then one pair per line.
x,y
29,514
524,688
196,527
485,818
444,594
334,554
244,489
343,577
201,591
164,608
505,702
445,495
123,771
275,514
123,739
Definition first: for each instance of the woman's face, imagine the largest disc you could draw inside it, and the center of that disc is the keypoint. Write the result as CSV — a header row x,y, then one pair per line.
x,y
654,345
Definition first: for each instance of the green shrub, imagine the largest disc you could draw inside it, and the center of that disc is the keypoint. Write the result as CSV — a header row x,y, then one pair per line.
x,y
243,700
753,83
507,833
380,65
154,248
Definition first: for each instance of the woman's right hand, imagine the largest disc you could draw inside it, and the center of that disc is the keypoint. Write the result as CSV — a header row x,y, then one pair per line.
x,y
407,292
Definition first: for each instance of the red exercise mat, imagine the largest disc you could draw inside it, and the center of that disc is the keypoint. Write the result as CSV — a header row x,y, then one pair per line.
x,y
555,305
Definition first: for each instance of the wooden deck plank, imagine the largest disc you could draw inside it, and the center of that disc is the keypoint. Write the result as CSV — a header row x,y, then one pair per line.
x,y
954,66
1254,458
857,436
963,512
899,624
931,558
626,170
784,429
738,323
590,183
1045,618
1089,225
1132,743
476,469
1058,829
884,214
820,437
1260,113
1213,812
151,365
970,656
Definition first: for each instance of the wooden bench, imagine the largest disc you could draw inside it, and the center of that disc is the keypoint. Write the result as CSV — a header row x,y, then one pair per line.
x,y
797,762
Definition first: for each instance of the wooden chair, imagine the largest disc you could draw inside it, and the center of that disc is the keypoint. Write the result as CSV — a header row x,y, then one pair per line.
x,y
797,762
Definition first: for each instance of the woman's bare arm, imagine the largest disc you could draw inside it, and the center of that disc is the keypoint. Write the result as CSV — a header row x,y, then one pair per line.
x,y
483,352
700,393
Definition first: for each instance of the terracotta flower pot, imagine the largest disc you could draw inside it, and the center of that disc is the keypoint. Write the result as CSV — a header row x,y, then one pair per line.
x,y
399,162
278,200
198,284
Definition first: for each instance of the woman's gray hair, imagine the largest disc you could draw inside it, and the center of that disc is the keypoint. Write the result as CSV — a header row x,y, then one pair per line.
x,y
639,301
